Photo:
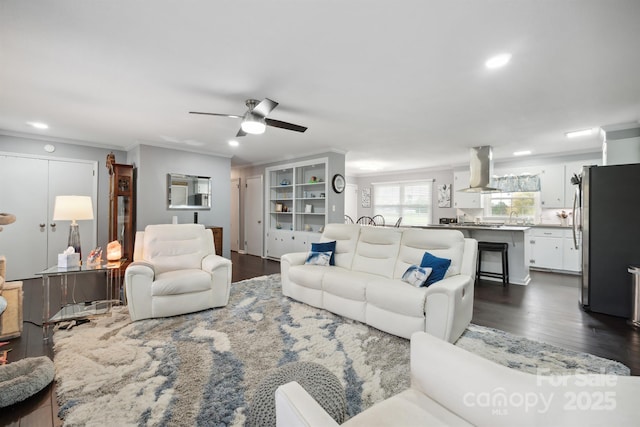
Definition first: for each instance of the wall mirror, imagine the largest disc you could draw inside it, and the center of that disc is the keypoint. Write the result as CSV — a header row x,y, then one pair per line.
x,y
188,191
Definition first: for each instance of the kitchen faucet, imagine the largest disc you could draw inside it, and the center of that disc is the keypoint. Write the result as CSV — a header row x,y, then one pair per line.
x,y
511,216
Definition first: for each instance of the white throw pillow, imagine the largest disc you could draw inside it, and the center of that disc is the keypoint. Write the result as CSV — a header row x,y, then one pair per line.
x,y
416,275
318,258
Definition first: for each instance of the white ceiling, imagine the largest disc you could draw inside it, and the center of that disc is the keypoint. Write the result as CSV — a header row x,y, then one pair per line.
x,y
400,83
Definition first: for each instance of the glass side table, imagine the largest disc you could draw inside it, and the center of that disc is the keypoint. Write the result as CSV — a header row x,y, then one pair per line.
x,y
75,310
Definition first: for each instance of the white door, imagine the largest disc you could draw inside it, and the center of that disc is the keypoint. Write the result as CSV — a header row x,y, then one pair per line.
x,y
253,216
23,193
69,178
33,242
234,233
351,201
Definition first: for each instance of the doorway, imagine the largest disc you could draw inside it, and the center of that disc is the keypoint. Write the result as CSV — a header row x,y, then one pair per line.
x,y
253,214
234,233
351,201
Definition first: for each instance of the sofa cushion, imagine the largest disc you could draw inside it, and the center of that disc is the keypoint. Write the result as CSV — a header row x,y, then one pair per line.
x,y
409,408
173,247
441,243
396,296
347,284
309,276
346,238
377,251
181,282
438,267
326,247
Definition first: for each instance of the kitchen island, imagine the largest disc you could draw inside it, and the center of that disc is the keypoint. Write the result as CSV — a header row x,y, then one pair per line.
x,y
513,235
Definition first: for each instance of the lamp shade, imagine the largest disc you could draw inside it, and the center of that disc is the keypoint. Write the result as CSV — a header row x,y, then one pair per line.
x,y
253,124
72,208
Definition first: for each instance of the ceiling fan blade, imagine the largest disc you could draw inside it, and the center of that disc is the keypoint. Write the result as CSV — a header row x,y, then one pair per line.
x,y
284,125
233,116
240,133
265,107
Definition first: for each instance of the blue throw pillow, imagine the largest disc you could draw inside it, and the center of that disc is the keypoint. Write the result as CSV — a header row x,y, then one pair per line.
x,y
326,247
439,266
318,258
416,276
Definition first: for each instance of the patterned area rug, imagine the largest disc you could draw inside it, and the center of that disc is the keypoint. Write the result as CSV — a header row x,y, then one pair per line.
x,y
202,369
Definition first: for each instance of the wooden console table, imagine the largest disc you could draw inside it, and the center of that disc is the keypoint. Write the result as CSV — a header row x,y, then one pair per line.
x,y
217,237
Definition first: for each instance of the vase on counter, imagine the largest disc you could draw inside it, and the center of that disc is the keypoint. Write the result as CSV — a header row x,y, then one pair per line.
x,y
564,222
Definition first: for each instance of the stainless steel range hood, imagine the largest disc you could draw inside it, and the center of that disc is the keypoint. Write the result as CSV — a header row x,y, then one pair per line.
x,y
481,168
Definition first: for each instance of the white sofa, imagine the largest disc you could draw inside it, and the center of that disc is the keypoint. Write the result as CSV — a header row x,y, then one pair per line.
x,y
453,387
175,271
365,282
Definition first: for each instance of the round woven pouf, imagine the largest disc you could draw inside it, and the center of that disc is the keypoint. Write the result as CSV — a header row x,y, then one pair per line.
x,y
317,380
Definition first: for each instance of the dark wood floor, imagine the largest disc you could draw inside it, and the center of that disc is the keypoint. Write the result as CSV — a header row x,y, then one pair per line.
x,y
546,310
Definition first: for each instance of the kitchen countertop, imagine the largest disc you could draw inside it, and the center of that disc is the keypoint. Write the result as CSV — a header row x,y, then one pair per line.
x,y
480,227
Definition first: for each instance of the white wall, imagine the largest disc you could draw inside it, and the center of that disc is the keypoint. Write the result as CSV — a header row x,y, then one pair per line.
x,y
154,163
445,176
439,176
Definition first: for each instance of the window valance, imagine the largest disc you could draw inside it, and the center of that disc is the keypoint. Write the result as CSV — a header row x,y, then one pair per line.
x,y
525,182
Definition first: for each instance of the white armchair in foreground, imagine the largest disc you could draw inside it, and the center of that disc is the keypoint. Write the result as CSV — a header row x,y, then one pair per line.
x,y
451,386
175,271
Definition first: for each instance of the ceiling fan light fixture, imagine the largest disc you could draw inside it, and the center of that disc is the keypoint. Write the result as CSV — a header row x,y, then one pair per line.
x,y
253,124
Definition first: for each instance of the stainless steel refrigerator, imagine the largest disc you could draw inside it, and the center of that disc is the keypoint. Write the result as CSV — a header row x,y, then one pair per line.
x,y
607,218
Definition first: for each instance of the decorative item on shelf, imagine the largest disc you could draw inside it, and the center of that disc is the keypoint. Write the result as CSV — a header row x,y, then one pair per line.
x,y
313,180
111,159
307,227
321,229
285,182
73,208
279,207
95,257
322,195
285,208
114,251
313,195
278,225
308,208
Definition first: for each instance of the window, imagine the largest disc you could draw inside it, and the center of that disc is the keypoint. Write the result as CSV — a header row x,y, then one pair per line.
x,y
410,200
522,204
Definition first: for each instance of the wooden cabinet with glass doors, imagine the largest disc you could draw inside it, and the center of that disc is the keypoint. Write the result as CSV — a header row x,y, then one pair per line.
x,y
122,209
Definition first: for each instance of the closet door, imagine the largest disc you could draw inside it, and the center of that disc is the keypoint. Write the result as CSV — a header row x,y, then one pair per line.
x,y
23,192
33,242
69,178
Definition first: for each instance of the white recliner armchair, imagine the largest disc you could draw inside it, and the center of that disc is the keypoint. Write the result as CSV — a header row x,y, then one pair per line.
x,y
175,271
453,387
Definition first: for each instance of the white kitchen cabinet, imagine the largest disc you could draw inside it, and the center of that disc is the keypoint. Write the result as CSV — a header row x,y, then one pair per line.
x,y
546,248
463,200
553,248
552,186
571,257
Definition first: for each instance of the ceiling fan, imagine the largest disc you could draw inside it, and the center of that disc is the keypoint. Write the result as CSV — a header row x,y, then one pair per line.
x,y
255,120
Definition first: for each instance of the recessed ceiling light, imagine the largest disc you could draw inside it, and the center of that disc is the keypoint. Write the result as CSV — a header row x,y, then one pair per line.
x,y
498,61
578,133
522,153
38,125
234,143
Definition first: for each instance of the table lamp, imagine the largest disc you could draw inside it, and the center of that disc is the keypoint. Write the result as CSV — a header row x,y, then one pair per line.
x,y
73,208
